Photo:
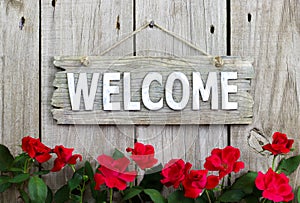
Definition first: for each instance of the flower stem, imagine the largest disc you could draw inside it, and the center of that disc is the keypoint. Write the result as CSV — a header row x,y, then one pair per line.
x,y
81,192
222,184
26,165
72,167
110,195
264,200
208,197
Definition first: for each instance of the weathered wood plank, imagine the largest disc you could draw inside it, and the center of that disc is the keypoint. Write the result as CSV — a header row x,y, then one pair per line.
x,y
84,27
139,67
19,78
272,38
191,20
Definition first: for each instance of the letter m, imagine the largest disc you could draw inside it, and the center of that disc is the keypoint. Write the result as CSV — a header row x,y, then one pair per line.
x,y
211,86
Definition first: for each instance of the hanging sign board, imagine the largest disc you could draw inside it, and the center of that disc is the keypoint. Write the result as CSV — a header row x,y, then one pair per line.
x,y
152,90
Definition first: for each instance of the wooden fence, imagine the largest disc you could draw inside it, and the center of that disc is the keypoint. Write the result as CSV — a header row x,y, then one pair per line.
x,y
33,32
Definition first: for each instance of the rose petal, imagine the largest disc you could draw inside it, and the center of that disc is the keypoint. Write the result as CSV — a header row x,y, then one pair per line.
x,y
212,182
43,157
73,158
272,196
58,165
259,181
238,166
121,164
99,179
192,192
128,176
105,160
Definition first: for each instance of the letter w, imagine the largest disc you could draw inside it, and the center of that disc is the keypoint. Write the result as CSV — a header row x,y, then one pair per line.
x,y
82,86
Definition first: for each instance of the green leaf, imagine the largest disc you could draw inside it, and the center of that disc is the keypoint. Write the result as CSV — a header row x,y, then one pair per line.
x,y
43,172
155,196
251,199
75,198
24,196
201,199
4,186
20,161
132,192
100,196
232,196
4,179
75,181
20,178
117,154
298,195
49,198
257,192
62,194
13,169
178,197
37,189
89,170
246,183
6,159
151,179
80,171
289,165
21,158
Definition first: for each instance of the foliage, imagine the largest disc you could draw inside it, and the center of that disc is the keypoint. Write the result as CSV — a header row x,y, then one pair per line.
x,y
113,174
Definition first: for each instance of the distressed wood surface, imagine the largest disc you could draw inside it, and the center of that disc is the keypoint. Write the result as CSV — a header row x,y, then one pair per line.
x,y
191,20
19,78
139,67
272,38
267,31
84,27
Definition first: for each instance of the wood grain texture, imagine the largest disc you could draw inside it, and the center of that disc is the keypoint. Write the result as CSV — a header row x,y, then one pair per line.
x,y
19,86
139,67
272,39
84,27
192,21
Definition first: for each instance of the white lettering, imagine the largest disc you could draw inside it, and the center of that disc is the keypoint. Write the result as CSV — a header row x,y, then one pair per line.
x,y
109,90
82,86
211,86
185,90
128,104
225,76
149,78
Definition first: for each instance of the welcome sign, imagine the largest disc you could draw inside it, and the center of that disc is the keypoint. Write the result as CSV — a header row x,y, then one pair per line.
x,y
152,90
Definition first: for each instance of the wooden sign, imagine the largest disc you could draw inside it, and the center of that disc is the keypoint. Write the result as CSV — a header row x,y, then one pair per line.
x,y
152,90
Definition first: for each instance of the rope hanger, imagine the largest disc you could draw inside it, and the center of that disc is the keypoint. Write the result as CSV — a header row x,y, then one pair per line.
x,y
217,60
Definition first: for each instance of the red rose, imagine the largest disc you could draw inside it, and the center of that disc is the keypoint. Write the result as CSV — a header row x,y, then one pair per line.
x,y
112,173
197,180
275,186
36,149
224,161
143,155
280,144
174,172
64,156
